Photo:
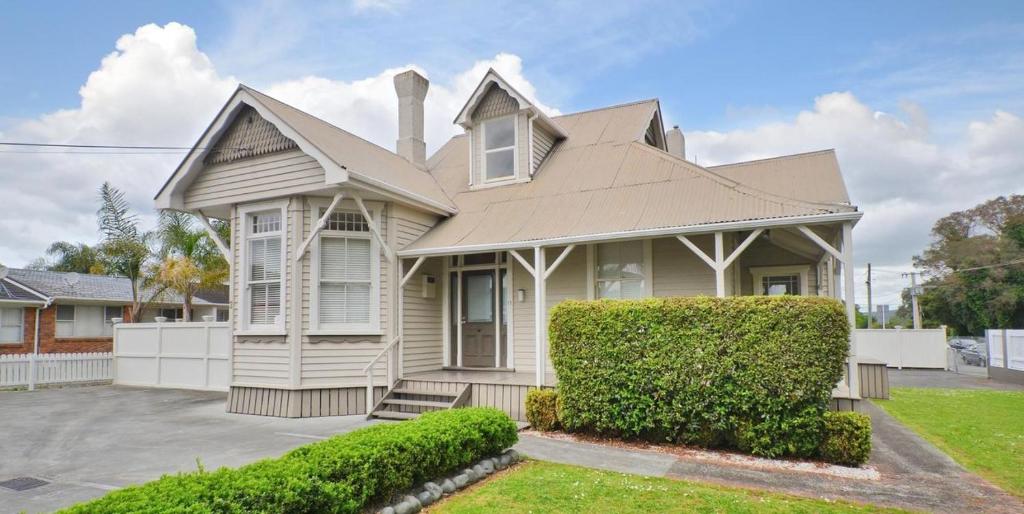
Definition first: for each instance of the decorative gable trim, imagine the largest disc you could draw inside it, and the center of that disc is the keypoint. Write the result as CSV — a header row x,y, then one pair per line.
x,y
466,115
250,135
495,102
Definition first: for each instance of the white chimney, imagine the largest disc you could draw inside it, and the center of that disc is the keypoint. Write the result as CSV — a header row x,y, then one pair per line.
x,y
675,142
412,90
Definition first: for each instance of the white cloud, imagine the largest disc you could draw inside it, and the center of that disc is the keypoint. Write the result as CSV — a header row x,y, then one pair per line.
x,y
158,88
896,171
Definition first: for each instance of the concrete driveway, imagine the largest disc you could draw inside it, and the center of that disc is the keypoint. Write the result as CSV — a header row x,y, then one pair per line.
x,y
86,441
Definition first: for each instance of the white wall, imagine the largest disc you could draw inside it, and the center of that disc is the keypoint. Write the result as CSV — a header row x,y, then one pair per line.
x,y
903,348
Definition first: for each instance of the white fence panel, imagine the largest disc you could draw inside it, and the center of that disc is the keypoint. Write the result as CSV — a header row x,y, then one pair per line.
x,y
55,368
1014,346
904,348
176,355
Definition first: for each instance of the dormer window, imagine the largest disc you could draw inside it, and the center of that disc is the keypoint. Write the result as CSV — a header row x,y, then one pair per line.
x,y
499,148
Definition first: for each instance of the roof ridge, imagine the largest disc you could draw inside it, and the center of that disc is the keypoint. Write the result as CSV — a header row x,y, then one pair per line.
x,y
616,106
740,186
777,158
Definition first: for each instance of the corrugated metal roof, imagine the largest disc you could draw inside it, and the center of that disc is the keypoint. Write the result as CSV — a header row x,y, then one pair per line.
x,y
359,156
602,179
812,176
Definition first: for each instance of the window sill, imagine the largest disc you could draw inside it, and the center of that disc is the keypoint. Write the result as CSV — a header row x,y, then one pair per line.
x,y
344,332
259,332
83,338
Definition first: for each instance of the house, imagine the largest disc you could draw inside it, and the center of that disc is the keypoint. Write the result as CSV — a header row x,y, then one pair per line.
x,y
76,312
368,279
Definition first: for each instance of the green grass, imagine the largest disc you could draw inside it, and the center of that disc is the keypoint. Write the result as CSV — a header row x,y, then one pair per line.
x,y
982,430
545,487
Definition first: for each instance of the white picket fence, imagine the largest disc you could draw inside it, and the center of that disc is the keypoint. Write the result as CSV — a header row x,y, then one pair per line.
x,y
1014,346
55,368
904,347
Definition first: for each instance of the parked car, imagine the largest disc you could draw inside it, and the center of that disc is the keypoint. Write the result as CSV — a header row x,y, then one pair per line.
x,y
962,343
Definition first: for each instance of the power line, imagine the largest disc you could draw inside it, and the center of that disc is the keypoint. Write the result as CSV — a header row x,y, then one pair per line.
x,y
111,147
1000,265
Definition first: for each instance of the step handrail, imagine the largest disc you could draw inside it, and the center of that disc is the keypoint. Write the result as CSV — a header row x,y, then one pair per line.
x,y
368,370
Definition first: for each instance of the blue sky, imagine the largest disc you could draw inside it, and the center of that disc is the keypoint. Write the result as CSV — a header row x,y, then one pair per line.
x,y
922,101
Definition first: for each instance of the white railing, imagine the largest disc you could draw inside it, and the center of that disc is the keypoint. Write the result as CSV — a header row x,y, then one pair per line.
x,y
904,347
194,355
391,362
55,368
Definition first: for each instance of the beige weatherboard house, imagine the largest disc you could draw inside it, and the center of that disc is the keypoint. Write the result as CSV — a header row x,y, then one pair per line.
x,y
370,280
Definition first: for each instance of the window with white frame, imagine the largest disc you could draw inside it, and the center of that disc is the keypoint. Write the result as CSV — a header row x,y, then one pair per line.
x,y
86,320
264,232
499,148
347,275
11,328
780,280
621,270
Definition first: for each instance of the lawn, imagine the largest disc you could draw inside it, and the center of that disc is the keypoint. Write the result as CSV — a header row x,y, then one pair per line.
x,y
982,430
545,487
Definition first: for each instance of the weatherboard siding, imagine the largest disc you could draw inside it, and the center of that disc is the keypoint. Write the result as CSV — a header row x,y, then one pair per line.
x,y
257,178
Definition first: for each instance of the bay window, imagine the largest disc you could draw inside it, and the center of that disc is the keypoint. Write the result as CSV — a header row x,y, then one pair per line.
x,y
11,329
622,269
346,280
263,272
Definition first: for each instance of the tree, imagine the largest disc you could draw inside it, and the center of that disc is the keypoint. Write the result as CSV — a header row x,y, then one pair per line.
x,y
975,266
76,257
126,250
190,258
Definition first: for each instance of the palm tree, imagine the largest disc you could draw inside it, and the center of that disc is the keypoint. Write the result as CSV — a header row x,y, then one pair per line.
x,y
190,258
126,249
76,257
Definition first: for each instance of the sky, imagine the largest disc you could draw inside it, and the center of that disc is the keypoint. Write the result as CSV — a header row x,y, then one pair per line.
x,y
922,101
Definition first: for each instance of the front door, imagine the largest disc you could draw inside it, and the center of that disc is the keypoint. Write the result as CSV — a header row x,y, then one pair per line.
x,y
479,340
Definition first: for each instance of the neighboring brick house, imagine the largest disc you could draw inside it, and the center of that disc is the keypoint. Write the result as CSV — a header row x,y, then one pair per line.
x,y
76,311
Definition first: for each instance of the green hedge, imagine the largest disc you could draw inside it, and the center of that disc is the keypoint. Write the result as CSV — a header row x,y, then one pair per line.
x,y
847,438
342,474
541,409
750,373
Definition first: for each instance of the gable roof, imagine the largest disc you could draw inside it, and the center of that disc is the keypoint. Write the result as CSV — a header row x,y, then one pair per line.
x,y
493,79
344,156
601,180
13,292
812,176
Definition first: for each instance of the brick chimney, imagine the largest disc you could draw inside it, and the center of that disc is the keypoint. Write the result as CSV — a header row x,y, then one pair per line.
x,y
675,142
411,88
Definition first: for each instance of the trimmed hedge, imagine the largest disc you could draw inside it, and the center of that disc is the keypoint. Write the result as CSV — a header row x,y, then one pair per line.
x,y
847,438
752,373
542,409
342,474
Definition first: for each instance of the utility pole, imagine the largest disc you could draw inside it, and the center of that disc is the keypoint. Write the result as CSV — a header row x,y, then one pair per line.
x,y
870,313
914,291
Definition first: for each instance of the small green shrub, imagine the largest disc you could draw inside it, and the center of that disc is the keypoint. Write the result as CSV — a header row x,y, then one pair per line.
x,y
846,439
752,373
342,474
542,409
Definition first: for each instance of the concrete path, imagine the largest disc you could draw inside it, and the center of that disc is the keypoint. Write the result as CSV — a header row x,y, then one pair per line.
x,y
915,475
945,379
87,441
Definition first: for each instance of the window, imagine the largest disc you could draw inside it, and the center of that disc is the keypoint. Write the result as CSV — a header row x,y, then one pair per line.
x,y
263,276
780,280
347,275
171,313
499,148
222,314
86,320
621,270
65,321
11,325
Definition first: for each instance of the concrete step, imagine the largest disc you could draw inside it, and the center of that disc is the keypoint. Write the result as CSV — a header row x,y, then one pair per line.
x,y
390,414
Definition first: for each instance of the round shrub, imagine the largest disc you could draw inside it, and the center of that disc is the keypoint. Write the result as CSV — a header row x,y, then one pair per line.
x,y
752,373
542,409
846,439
